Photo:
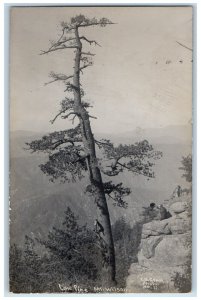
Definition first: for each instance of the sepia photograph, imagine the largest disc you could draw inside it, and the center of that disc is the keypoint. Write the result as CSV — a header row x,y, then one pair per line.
x,y
100,149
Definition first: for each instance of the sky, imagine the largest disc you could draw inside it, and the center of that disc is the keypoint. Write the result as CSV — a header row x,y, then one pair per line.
x,y
141,77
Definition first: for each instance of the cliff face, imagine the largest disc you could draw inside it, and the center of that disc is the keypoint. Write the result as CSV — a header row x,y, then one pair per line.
x,y
165,252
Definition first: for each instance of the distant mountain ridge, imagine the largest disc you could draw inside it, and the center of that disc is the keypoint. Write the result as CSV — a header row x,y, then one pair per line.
x,y
164,135
181,134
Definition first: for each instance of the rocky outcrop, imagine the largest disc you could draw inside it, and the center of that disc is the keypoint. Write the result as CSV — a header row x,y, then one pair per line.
x,y
165,251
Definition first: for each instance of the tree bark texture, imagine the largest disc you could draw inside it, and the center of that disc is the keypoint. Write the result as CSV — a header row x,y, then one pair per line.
x,y
108,274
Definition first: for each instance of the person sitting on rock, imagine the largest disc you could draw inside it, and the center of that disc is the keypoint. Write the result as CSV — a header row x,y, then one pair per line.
x,y
153,211
149,212
163,213
152,205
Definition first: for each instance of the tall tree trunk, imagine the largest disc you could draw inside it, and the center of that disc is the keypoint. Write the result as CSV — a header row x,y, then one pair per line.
x,y
108,275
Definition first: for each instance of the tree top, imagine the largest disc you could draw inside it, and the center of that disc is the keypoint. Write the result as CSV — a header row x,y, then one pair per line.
x,y
82,21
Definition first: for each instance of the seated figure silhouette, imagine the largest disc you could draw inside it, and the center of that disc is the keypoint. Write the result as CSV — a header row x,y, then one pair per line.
x,y
154,212
163,213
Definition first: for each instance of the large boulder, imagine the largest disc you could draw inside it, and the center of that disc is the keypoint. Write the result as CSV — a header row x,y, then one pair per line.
x,y
155,228
178,207
158,265
171,251
179,225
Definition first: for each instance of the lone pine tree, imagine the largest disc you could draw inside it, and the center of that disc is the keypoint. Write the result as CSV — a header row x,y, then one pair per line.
x,y
72,152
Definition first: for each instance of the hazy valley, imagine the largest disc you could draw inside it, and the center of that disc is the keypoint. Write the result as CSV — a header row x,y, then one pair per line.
x,y
37,204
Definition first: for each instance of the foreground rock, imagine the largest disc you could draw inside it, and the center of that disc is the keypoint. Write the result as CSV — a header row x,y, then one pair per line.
x,y
165,252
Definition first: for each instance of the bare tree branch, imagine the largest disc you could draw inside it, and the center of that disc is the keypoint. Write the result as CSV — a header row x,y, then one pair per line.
x,y
85,66
88,53
71,113
61,112
58,48
49,82
57,77
89,41
63,31
184,46
58,43
73,119
92,117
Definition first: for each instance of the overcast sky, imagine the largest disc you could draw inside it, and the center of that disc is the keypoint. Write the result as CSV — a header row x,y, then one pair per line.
x,y
141,76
